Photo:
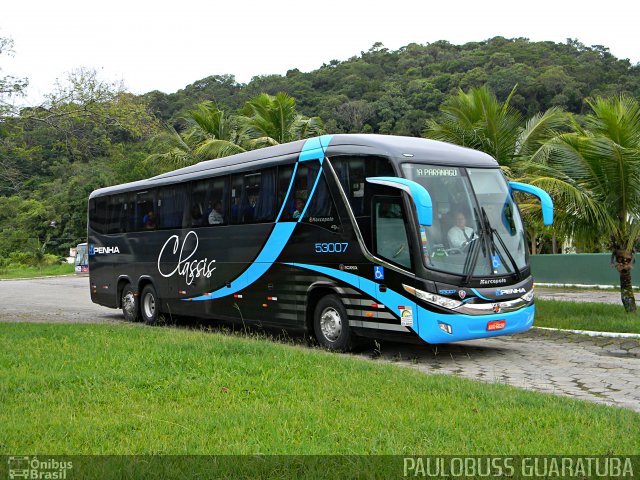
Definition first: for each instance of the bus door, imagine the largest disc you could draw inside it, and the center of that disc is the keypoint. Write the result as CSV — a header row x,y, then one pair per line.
x,y
392,242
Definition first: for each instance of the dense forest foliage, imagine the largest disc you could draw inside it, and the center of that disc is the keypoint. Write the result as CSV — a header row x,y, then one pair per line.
x,y
394,92
90,133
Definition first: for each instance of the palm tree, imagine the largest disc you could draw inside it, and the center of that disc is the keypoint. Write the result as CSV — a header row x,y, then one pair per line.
x,y
171,149
478,120
593,173
215,133
271,120
210,133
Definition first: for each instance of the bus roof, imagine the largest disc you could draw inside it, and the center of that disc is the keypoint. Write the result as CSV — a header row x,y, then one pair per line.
x,y
398,149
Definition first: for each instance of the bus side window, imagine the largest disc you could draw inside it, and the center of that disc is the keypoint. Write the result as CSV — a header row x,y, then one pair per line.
x,y
352,172
117,210
253,196
197,208
266,196
391,241
322,209
98,218
216,210
302,184
145,211
172,201
126,215
208,205
284,180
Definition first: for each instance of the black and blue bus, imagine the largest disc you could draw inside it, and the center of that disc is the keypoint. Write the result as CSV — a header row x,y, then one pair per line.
x,y
343,236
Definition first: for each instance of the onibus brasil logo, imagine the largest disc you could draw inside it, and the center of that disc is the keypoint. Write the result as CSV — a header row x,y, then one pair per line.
x,y
35,468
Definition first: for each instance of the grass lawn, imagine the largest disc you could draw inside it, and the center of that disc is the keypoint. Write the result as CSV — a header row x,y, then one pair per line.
x,y
599,317
30,272
130,389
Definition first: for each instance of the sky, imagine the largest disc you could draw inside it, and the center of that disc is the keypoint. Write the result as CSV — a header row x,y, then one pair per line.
x,y
156,45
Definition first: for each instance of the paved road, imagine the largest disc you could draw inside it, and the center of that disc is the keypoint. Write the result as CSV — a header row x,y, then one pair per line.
x,y
595,296
602,370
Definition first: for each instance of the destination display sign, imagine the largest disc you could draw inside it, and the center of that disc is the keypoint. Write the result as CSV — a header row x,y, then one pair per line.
x,y
435,172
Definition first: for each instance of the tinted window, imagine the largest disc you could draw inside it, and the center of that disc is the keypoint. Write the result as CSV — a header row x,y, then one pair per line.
x,y
98,214
284,181
353,171
122,214
253,196
391,239
209,202
173,206
305,178
322,210
146,212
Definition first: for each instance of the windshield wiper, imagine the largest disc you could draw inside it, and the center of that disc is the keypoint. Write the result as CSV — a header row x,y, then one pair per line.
x,y
492,231
472,256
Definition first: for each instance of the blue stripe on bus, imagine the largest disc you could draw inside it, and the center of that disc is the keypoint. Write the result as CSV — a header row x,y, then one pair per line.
x,y
478,294
313,189
275,244
425,322
284,200
313,149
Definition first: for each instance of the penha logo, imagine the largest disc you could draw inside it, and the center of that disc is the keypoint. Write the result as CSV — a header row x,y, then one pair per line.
x,y
509,291
182,262
93,250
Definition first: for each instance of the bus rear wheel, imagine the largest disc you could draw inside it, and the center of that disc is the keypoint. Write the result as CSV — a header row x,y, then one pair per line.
x,y
149,305
331,324
129,302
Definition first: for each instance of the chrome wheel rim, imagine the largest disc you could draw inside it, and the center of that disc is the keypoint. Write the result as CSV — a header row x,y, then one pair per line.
x,y
331,324
149,305
129,303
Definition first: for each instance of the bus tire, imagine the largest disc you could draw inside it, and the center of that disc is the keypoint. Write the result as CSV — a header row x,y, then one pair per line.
x,y
331,324
129,303
149,305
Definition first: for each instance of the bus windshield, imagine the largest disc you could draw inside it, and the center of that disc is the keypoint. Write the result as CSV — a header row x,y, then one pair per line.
x,y
81,260
476,228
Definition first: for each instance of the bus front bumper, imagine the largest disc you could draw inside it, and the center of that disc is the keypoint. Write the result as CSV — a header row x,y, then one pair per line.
x,y
434,327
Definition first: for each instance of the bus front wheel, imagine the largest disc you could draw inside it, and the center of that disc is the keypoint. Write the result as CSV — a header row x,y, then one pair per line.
x,y
331,324
149,305
129,302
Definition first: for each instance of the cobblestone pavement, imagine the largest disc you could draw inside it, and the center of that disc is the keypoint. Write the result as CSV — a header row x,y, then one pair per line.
x,y
603,370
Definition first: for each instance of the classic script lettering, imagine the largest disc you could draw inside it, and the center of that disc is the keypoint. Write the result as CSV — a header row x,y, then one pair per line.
x,y
182,260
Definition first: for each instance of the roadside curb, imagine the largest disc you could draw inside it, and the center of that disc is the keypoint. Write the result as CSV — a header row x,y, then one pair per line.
x,y
591,333
37,278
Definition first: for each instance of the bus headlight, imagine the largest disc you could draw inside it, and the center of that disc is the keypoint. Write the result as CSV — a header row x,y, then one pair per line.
x,y
432,298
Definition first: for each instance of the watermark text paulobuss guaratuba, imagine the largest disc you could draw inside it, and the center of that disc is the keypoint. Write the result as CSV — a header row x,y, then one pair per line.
x,y
505,466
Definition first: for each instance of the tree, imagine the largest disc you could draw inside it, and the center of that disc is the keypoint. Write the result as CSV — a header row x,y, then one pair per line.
x,y
478,120
271,120
353,115
593,174
208,133
10,86
85,115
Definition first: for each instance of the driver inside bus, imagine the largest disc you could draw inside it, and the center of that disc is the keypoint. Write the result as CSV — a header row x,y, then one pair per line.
x,y
460,235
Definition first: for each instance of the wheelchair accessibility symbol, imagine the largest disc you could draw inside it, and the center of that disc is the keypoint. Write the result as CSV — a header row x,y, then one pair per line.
x,y
378,273
495,261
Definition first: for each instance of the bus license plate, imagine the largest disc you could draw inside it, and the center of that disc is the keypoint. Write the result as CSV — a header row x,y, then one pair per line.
x,y
496,325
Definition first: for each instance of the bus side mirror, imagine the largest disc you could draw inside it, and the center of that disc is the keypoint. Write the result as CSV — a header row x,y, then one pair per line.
x,y
417,192
545,199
